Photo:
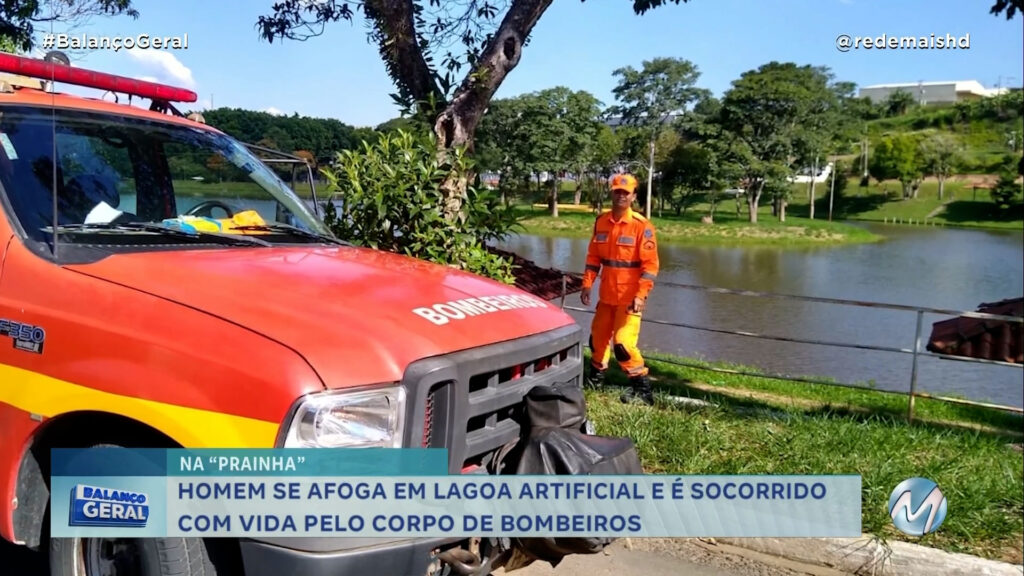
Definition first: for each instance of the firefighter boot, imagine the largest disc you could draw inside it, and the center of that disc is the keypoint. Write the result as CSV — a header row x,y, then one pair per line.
x,y
594,379
639,389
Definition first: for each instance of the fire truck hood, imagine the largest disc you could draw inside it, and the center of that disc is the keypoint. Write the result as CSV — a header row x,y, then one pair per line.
x,y
358,316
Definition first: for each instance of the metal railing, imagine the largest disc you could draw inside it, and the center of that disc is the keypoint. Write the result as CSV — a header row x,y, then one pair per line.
x,y
915,351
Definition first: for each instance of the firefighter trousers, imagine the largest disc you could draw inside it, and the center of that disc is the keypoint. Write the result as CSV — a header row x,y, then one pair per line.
x,y
616,330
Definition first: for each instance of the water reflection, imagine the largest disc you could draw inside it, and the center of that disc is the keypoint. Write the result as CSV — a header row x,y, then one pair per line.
x,y
940,268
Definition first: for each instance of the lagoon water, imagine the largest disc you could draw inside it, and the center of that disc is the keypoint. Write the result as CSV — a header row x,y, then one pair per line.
x,y
918,266
944,268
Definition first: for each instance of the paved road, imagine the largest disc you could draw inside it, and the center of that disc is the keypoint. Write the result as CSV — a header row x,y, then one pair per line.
x,y
673,557
637,557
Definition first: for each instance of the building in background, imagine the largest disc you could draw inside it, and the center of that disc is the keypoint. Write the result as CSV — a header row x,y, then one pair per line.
x,y
932,92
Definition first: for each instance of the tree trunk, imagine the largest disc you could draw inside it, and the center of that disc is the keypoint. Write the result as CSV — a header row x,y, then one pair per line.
x,y
456,124
782,210
579,189
650,180
753,198
942,182
554,196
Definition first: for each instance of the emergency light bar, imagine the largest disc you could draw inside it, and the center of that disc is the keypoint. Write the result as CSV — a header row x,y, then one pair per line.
x,y
35,68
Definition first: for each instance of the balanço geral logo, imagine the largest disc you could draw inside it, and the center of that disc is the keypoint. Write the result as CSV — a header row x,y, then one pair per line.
x,y
917,506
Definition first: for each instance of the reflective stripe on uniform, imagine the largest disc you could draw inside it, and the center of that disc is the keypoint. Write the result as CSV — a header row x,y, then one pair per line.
x,y
648,276
621,263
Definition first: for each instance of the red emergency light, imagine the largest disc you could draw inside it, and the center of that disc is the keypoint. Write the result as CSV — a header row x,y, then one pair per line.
x,y
43,70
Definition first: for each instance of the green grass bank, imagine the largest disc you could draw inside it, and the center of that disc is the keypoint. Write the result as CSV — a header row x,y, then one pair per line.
x,y
966,203
754,425
688,230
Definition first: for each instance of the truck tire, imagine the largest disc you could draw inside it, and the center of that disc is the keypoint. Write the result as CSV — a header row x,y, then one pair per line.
x,y
130,557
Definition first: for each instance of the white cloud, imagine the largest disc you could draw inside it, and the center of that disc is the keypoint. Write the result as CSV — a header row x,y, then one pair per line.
x,y
164,65
274,111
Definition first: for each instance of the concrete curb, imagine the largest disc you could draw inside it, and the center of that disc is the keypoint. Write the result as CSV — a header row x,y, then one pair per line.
x,y
868,556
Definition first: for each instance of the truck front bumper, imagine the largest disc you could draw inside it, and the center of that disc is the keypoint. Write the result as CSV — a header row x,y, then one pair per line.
x,y
318,557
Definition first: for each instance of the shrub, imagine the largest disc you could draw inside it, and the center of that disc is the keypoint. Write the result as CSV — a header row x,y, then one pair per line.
x,y
392,199
1006,191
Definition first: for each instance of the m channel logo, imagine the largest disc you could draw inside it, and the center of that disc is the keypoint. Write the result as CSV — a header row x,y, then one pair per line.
x,y
917,506
111,507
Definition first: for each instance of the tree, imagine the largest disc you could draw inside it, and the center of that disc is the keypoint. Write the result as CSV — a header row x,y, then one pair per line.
x,y
687,171
501,146
410,33
8,44
711,159
941,154
561,124
761,119
391,194
19,18
1011,7
546,131
898,102
898,157
606,149
818,131
1006,191
651,97
308,157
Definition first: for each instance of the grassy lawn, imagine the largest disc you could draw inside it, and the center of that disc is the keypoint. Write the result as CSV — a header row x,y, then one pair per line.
x,y
687,229
962,206
761,426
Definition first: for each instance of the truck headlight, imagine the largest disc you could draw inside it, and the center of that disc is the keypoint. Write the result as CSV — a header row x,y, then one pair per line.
x,y
373,418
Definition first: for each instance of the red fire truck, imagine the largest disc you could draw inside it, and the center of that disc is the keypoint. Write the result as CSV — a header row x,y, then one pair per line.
x,y
160,286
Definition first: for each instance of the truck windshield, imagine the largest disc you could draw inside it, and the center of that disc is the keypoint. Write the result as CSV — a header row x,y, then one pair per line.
x,y
126,178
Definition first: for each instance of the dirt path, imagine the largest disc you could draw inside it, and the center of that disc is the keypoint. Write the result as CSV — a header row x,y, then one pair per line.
x,y
672,557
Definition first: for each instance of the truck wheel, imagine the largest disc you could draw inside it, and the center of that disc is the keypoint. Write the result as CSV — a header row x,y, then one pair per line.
x,y
127,556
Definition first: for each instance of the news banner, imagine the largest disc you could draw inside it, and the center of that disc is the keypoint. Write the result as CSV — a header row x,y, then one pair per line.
x,y
118,492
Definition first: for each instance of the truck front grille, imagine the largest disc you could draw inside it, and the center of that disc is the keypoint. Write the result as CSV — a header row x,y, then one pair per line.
x,y
471,402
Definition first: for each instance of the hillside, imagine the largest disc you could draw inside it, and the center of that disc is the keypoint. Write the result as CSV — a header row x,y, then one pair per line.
x,y
987,129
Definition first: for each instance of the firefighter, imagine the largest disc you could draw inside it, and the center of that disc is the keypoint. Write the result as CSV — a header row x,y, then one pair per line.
x,y
624,251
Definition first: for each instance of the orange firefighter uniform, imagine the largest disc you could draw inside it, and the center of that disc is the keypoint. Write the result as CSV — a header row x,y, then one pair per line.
x,y
625,253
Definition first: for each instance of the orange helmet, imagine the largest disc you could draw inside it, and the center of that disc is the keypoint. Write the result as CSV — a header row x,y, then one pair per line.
x,y
623,182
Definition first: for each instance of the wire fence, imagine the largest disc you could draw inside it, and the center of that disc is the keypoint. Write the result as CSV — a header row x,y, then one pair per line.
x,y
915,351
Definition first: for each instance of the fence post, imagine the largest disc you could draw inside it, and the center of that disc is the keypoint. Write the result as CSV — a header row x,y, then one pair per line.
x,y
913,370
563,291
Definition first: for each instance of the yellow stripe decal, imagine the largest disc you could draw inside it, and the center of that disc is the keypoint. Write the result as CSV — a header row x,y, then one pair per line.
x,y
190,427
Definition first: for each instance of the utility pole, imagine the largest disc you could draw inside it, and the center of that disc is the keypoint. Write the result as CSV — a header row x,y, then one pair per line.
x,y
650,181
832,190
814,182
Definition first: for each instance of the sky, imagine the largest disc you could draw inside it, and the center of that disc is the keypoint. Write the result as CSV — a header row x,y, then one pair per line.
x,y
575,44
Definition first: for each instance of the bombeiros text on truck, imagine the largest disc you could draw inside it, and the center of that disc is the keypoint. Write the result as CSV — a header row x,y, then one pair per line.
x,y
162,286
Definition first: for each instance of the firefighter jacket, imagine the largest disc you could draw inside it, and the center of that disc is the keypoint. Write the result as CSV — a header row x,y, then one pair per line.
x,y
625,253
